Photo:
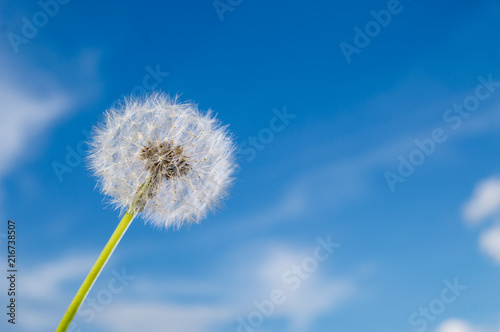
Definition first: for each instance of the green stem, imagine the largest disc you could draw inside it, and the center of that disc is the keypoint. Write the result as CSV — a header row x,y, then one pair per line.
x,y
95,271
101,261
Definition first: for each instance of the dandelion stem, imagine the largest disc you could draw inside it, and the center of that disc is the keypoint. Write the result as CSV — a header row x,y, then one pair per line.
x,y
100,263
95,271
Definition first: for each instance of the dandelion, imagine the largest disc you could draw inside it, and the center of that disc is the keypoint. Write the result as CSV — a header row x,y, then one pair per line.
x,y
161,159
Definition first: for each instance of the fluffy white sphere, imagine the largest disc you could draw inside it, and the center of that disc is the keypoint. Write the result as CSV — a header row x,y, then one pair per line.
x,y
186,157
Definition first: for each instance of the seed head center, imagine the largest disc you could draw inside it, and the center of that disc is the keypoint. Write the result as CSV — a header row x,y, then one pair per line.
x,y
164,160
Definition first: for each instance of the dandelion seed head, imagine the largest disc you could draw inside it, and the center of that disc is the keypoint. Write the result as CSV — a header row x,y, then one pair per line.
x,y
186,158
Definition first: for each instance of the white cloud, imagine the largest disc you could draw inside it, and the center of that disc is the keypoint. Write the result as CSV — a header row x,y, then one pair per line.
x,y
489,242
316,296
484,202
206,303
219,301
460,325
159,317
455,325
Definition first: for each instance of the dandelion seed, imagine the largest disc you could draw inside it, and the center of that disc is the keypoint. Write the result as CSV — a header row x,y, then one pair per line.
x,y
159,158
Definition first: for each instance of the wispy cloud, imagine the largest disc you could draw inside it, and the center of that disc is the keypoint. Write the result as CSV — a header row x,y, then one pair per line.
x,y
315,296
25,115
45,292
159,317
38,319
33,100
221,301
330,186
202,304
48,280
340,182
30,108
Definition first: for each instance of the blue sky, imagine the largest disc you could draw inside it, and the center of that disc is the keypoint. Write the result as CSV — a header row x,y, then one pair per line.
x,y
417,252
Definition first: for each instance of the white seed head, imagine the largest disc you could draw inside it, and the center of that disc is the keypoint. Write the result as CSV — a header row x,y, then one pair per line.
x,y
184,159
